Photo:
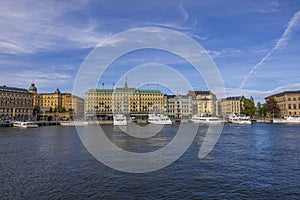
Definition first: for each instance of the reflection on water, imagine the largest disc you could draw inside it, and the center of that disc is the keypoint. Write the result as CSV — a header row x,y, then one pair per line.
x,y
262,141
260,161
148,138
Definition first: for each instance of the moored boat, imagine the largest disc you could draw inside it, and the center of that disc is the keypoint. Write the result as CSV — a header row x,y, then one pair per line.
x,y
159,119
287,120
25,124
120,120
6,123
73,123
237,119
206,119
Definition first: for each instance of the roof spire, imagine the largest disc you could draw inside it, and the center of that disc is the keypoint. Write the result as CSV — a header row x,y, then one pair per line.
x,y
32,87
126,85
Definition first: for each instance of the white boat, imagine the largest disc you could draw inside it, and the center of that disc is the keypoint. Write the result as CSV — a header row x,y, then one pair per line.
x,y
120,120
25,124
206,119
159,119
133,119
73,123
235,119
288,120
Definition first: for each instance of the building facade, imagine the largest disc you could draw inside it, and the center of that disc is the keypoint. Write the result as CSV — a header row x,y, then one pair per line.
x,y
67,101
15,103
230,105
288,103
70,105
205,102
101,103
48,102
77,107
179,106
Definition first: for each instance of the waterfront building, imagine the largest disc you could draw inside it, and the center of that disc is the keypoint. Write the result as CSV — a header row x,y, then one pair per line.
x,y
102,103
205,102
179,106
230,105
77,107
57,102
73,104
15,103
47,102
66,101
288,103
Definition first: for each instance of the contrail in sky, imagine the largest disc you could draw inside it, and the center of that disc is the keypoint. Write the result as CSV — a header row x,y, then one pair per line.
x,y
280,43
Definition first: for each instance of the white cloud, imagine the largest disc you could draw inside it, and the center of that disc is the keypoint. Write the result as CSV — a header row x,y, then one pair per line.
x,y
281,42
272,7
183,12
31,26
224,52
259,95
44,78
11,48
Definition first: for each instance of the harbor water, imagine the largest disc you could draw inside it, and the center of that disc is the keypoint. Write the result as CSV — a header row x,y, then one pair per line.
x,y
258,161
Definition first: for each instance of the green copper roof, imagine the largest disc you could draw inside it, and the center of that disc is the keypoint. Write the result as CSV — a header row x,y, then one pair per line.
x,y
123,90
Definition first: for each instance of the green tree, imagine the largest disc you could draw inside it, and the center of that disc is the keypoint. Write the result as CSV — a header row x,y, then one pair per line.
x,y
249,107
61,109
36,110
261,109
272,108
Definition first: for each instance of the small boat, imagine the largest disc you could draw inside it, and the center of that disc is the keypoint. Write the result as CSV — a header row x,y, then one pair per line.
x,y
206,119
159,119
73,123
235,119
287,120
6,123
133,119
25,124
120,120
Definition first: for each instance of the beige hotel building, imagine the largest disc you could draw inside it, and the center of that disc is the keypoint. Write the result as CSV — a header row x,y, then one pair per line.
x,y
15,103
288,103
50,101
102,103
205,102
230,105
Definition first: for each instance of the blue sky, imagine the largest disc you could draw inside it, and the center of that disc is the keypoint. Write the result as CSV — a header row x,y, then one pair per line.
x,y
254,44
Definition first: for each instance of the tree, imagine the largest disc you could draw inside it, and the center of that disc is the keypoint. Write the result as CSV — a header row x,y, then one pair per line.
x,y
61,109
249,107
261,109
272,108
36,110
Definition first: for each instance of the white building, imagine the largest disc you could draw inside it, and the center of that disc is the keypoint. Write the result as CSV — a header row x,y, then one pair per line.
x,y
179,106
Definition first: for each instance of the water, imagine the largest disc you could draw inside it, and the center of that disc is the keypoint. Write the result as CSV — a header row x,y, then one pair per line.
x,y
260,161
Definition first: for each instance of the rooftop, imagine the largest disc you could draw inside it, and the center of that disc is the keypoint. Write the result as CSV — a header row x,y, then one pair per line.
x,y
200,93
283,93
124,90
4,87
